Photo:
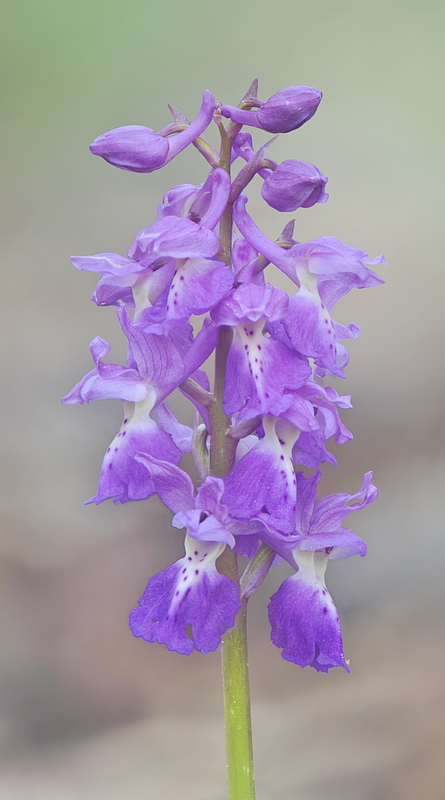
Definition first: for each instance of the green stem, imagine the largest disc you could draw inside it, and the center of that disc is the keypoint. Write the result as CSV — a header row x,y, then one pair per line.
x,y
235,677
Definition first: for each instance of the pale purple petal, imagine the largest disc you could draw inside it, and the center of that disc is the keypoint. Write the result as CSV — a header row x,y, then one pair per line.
x,y
106,264
337,544
202,527
331,510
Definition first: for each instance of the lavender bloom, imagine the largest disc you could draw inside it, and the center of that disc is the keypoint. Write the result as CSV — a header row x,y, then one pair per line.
x,y
285,111
325,270
139,149
294,184
157,365
191,592
302,614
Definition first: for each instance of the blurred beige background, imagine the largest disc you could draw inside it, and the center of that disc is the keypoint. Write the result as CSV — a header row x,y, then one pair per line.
x,y
87,711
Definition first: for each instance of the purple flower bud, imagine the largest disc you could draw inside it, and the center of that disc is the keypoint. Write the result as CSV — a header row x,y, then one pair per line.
x,y
285,111
289,108
133,147
139,149
294,184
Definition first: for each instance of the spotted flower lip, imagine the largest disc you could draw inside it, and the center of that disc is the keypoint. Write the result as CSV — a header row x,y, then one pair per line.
x,y
191,592
189,605
285,111
260,370
136,148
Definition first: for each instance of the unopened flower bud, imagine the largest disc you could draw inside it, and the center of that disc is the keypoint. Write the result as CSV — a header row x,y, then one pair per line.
x,y
289,109
139,149
285,111
294,184
132,147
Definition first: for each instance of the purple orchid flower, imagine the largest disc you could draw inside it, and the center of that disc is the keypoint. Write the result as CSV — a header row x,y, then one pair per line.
x,y
190,592
325,270
139,149
303,618
157,365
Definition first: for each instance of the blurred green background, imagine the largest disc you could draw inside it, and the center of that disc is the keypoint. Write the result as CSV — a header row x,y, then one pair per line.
x,y
85,709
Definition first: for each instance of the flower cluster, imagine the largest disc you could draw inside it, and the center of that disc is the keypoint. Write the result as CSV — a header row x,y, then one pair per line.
x,y
268,412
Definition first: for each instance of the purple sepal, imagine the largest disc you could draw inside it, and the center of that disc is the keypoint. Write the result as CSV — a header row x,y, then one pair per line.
x,y
139,149
328,513
318,524
181,434
172,484
106,264
247,265
189,605
294,184
285,111
159,360
203,528
304,622
327,266
106,380
251,302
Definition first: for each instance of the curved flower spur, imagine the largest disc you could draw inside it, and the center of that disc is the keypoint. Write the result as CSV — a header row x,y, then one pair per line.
x,y
262,414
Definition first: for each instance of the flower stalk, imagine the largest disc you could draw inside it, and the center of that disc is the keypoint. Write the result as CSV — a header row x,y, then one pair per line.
x,y
266,414
234,665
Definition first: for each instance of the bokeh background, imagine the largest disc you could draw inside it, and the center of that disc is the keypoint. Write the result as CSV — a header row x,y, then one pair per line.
x,y
87,711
